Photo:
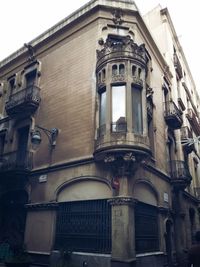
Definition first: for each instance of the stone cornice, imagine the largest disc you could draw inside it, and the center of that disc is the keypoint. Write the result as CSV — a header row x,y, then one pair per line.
x,y
42,206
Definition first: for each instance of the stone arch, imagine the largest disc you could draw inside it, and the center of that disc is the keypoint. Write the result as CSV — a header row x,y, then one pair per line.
x,y
145,191
84,188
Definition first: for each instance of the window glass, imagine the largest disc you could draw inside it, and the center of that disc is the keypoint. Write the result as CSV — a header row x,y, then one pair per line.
x,y
30,78
118,106
137,109
103,74
102,113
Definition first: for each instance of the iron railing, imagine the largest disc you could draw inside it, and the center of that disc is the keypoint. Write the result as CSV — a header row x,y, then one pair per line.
x,y
173,115
84,226
119,127
179,170
172,109
146,228
29,94
16,161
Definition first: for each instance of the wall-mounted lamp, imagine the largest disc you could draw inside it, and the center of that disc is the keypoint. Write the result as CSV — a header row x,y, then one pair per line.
x,y
51,134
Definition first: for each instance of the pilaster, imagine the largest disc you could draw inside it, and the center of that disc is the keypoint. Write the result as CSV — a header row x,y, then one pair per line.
x,y
123,231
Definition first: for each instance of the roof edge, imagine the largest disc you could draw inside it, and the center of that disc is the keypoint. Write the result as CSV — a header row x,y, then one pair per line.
x,y
126,4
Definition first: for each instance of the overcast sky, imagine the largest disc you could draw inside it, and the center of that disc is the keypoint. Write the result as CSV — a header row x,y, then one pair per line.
x,y
22,20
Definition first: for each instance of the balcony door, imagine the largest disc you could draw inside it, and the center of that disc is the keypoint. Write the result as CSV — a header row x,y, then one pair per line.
x,y
23,134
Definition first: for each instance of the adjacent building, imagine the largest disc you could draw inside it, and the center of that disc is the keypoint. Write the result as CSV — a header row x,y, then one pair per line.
x,y
99,141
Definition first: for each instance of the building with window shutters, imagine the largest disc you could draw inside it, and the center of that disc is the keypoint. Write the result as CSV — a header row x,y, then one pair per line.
x,y
99,151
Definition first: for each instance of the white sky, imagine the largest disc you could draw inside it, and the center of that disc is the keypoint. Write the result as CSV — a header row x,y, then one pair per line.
x,y
22,20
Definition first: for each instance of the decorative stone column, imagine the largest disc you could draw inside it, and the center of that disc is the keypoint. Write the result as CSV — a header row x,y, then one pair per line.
x,y
123,232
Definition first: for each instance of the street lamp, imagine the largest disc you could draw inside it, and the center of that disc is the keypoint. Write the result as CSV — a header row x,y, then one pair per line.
x,y
51,134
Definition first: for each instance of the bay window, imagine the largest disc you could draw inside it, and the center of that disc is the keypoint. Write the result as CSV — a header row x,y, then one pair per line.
x,y
137,109
118,108
102,111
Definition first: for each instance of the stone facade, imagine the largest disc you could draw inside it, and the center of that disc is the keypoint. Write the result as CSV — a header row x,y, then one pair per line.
x,y
95,165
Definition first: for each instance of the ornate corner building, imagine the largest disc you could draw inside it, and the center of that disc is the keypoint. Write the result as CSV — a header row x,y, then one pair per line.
x,y
99,141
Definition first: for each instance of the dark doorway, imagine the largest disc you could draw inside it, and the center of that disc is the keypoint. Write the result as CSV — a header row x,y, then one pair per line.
x,y
23,134
12,217
168,242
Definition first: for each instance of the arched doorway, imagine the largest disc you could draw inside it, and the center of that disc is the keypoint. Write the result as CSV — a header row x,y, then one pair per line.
x,y
12,217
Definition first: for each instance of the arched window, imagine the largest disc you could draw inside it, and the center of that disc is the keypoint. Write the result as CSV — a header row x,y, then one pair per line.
x,y
114,70
103,75
121,69
139,72
134,70
99,77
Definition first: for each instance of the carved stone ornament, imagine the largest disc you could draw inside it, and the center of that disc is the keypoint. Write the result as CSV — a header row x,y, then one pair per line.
x,y
122,200
31,52
117,17
122,163
149,92
114,46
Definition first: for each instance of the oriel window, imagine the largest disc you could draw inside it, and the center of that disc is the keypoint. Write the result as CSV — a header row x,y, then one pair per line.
x,y
118,107
137,109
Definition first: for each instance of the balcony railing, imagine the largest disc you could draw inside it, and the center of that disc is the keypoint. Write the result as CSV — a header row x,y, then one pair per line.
x,y
27,99
119,127
194,121
180,174
173,116
16,161
177,66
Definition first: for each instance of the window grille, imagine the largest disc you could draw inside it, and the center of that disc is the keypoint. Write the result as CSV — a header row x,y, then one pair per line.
x,y
146,228
84,226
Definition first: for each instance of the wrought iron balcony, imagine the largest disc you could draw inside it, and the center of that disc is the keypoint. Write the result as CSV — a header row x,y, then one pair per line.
x,y
177,66
186,136
194,121
26,100
119,127
173,115
180,174
16,162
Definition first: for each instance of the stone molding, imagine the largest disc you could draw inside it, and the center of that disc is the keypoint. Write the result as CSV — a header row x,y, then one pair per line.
x,y
122,200
42,206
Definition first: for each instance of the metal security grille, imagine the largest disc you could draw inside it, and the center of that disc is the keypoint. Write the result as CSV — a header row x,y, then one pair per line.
x,y
146,228
84,226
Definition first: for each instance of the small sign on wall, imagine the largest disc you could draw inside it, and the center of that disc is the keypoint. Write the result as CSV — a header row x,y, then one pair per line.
x,y
166,197
43,178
